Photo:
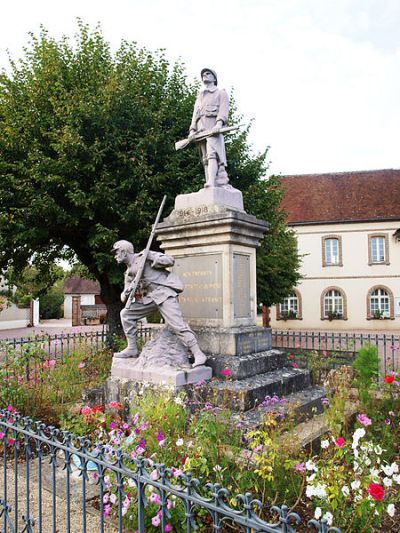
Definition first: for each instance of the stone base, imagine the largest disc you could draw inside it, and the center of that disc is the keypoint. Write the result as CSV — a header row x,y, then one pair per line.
x,y
226,196
123,369
243,340
164,360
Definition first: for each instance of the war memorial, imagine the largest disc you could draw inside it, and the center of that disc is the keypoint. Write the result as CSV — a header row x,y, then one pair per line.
x,y
204,285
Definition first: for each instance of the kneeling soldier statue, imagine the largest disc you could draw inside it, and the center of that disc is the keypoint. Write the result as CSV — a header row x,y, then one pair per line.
x,y
158,289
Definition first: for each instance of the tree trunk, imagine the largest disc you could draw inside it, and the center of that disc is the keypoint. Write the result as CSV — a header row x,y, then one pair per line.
x,y
266,316
111,297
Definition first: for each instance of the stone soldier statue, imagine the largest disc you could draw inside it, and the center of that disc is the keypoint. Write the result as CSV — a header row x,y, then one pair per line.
x,y
211,114
159,290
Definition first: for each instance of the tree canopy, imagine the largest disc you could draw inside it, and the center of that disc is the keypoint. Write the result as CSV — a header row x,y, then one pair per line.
x,y
87,152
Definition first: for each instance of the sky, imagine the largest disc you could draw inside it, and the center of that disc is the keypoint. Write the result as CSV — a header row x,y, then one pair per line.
x,y
319,79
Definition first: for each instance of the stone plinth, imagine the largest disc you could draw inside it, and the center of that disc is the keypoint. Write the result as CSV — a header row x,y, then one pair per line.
x,y
214,247
124,370
163,360
223,196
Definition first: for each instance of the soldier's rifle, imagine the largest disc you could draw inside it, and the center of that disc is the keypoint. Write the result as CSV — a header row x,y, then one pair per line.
x,y
203,134
134,285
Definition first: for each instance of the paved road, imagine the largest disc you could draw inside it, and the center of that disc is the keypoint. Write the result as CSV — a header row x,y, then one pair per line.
x,y
50,327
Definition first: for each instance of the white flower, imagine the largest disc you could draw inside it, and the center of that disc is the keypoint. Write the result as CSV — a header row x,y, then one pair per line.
x,y
358,434
178,400
345,490
387,469
378,450
391,509
312,477
311,466
309,491
358,497
320,491
387,482
328,517
396,478
318,513
324,444
217,468
355,484
395,468
179,442
367,461
113,498
374,472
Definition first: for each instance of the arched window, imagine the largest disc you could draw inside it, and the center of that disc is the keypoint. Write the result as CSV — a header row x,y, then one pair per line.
x,y
333,304
380,303
290,308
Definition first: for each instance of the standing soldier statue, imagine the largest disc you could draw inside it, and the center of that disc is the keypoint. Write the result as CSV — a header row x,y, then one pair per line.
x,y
210,116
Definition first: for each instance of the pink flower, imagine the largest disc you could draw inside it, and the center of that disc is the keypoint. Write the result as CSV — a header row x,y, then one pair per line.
x,y
1,435
11,409
168,527
86,410
115,405
82,365
155,498
52,362
325,353
364,420
294,365
300,467
340,442
107,510
225,372
156,521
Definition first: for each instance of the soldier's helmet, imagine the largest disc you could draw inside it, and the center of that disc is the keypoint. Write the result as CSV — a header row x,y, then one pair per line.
x,y
122,245
212,72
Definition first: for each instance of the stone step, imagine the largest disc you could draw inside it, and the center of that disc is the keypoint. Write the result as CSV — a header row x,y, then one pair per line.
x,y
244,394
303,404
246,366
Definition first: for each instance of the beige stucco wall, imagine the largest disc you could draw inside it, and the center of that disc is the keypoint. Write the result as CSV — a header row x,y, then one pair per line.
x,y
356,277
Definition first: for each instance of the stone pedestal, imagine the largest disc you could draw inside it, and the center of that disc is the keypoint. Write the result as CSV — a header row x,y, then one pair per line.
x,y
214,246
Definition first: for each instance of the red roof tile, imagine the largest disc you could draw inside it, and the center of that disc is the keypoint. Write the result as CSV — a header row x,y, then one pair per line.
x,y
342,197
76,285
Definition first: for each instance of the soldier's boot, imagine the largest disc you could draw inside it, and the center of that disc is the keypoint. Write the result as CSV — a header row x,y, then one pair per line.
x,y
199,357
130,351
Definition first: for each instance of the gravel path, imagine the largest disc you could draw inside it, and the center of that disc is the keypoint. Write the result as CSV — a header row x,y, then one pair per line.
x,y
76,514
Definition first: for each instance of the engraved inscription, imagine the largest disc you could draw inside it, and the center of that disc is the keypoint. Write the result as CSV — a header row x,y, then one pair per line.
x,y
202,277
241,286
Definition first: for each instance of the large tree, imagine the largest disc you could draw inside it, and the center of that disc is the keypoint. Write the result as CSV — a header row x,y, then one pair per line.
x,y
87,152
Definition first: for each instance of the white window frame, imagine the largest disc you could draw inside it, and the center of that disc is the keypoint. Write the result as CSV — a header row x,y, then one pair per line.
x,y
378,251
332,253
379,302
333,303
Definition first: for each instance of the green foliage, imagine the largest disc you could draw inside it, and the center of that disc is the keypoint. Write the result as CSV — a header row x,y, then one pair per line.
x,y
87,152
366,365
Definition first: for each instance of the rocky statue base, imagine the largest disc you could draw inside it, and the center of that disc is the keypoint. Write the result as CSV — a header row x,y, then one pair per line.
x,y
163,360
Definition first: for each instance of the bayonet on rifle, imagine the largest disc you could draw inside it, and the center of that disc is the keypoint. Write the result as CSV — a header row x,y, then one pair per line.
x,y
201,135
139,273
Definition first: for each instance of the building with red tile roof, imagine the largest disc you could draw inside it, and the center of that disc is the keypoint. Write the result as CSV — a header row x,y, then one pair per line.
x,y
348,230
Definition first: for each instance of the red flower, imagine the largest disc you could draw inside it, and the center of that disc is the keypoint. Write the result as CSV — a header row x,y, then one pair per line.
x,y
340,442
98,409
225,372
376,491
115,405
389,379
